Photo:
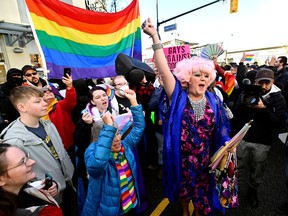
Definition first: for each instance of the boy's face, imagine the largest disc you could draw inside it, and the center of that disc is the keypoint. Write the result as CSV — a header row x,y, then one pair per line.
x,y
35,106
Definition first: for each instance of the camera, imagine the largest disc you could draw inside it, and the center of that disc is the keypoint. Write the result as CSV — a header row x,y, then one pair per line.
x,y
250,94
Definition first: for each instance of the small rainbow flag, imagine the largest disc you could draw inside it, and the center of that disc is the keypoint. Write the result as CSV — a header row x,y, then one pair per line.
x,y
229,83
110,91
86,41
249,57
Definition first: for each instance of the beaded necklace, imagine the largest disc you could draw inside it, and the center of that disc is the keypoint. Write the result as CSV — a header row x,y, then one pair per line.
x,y
198,106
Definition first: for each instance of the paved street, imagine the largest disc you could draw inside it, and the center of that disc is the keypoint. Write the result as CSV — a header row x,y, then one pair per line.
x,y
271,191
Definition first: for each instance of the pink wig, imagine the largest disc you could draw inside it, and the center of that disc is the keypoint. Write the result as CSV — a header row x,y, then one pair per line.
x,y
185,68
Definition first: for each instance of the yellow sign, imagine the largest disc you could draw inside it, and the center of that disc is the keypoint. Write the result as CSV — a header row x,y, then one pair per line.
x,y
233,6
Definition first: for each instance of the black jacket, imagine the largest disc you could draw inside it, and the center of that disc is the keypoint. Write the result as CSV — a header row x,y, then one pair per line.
x,y
8,112
266,122
281,80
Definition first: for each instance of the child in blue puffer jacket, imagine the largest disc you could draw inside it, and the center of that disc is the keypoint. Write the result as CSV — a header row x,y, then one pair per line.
x,y
110,162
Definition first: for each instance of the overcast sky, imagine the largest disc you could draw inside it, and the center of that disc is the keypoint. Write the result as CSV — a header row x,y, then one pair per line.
x,y
257,24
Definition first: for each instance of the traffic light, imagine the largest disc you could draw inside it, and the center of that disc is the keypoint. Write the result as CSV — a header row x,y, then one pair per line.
x,y
233,6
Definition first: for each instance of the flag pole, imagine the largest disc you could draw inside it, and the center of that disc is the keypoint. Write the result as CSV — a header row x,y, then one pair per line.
x,y
134,35
43,61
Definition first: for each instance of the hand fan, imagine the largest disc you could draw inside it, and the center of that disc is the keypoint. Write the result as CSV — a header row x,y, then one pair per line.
x,y
211,51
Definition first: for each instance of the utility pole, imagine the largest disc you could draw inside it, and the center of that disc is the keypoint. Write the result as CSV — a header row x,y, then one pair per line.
x,y
157,15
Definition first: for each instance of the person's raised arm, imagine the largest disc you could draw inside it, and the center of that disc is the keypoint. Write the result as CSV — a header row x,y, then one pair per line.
x,y
68,81
161,62
131,95
70,99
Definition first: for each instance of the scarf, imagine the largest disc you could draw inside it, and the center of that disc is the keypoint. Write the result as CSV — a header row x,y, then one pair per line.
x,y
128,193
50,108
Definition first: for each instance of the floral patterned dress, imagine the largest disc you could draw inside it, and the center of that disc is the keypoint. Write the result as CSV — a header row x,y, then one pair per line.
x,y
196,139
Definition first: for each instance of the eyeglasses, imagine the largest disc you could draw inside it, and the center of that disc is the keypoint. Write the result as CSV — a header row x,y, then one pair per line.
x,y
21,163
30,74
121,84
46,89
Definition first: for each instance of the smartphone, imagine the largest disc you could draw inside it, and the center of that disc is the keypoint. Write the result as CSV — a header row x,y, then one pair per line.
x,y
67,71
48,181
84,111
144,24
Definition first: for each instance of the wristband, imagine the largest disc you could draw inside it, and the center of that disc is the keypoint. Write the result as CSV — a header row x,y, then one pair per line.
x,y
157,46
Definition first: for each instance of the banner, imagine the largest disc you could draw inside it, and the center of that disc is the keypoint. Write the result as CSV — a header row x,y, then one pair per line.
x,y
88,42
175,54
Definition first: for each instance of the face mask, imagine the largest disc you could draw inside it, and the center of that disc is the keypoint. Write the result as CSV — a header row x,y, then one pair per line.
x,y
16,81
123,89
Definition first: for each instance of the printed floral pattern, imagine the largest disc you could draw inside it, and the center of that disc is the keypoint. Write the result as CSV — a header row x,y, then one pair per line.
x,y
196,139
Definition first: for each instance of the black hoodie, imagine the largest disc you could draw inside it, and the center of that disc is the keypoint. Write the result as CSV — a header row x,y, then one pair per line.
x,y
8,112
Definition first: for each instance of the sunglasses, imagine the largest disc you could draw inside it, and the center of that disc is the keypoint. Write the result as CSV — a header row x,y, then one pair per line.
x,y
46,89
30,74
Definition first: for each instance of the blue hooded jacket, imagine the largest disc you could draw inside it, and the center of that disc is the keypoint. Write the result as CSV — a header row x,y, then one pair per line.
x,y
103,196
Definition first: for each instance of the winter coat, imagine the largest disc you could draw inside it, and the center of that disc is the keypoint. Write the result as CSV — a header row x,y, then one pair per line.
x,y
61,116
17,134
103,197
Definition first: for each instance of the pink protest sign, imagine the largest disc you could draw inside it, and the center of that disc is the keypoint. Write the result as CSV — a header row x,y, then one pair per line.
x,y
175,54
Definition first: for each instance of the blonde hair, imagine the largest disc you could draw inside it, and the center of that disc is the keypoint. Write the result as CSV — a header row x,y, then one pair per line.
x,y
117,77
23,93
185,68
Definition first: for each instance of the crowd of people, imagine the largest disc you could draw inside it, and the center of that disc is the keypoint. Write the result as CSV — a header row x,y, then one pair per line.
x,y
89,145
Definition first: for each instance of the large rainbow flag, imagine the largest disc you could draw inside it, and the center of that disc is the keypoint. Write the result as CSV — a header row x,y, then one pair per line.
x,y
86,41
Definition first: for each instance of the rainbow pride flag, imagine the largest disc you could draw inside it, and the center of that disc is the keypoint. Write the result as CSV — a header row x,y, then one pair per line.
x,y
249,57
86,41
229,83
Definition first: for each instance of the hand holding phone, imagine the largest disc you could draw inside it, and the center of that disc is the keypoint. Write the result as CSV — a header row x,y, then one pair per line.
x,y
48,181
144,24
67,71
84,111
